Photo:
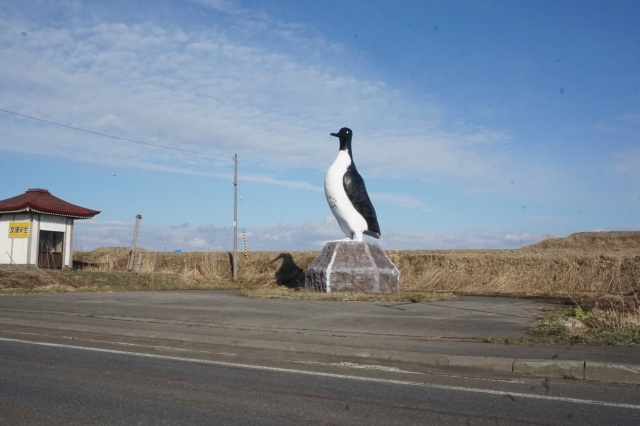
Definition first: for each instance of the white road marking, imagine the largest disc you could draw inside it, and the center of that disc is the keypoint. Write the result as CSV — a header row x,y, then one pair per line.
x,y
357,366
127,344
329,375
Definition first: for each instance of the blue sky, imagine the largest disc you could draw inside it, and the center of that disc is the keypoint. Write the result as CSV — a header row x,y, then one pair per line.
x,y
477,124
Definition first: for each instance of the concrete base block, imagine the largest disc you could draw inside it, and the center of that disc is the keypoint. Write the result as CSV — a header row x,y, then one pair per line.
x,y
352,266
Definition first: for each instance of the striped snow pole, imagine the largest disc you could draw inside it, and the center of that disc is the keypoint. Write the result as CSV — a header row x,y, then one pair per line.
x,y
244,236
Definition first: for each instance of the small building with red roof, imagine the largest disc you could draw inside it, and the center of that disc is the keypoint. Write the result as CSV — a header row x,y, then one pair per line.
x,y
36,229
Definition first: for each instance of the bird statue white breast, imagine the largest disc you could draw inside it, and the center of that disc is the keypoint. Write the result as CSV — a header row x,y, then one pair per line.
x,y
347,195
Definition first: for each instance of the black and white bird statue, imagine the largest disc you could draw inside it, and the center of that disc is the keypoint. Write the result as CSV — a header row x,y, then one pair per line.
x,y
347,195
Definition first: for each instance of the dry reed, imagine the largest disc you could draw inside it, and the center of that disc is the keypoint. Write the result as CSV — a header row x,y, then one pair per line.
x,y
598,273
587,263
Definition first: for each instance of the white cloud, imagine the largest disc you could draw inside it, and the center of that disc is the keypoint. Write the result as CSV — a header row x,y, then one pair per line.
x,y
403,200
235,80
92,234
280,182
310,235
627,165
468,239
633,119
219,5
199,90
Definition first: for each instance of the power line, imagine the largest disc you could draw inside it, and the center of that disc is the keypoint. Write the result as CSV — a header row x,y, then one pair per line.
x,y
114,137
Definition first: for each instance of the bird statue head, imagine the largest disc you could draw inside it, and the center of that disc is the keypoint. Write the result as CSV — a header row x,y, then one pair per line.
x,y
344,135
345,132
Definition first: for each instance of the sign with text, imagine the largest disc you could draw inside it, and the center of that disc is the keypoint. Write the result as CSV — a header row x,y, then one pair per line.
x,y
18,229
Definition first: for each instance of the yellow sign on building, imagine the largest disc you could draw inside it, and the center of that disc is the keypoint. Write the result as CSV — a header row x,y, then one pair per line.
x,y
18,229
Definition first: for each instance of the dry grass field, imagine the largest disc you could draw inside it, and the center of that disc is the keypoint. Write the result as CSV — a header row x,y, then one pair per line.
x,y
596,264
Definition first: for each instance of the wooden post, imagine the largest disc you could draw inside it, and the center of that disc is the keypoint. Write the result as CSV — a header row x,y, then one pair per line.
x,y
139,265
132,251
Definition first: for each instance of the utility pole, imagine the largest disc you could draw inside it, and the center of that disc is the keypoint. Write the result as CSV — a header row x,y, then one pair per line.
x,y
235,217
132,252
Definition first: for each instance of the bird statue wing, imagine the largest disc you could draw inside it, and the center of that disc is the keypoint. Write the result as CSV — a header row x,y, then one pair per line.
x,y
357,193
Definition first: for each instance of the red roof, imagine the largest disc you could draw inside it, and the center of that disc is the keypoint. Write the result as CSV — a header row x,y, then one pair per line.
x,y
41,201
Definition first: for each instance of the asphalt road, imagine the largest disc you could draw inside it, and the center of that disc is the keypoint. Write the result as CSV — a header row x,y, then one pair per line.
x,y
222,317
210,357
56,382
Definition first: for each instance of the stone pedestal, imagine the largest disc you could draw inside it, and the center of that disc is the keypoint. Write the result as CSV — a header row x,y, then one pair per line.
x,y
352,266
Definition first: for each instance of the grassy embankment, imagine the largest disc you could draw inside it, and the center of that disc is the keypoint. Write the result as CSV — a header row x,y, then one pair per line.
x,y
597,273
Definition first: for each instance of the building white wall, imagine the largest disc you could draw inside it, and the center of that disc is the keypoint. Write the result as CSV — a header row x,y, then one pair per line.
x,y
52,223
68,244
24,251
34,238
5,243
14,250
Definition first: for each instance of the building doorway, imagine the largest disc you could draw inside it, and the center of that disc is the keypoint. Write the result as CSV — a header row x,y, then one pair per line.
x,y
50,249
